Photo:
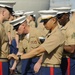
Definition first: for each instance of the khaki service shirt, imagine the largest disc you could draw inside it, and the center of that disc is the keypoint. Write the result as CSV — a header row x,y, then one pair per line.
x,y
30,41
69,33
53,45
7,26
4,46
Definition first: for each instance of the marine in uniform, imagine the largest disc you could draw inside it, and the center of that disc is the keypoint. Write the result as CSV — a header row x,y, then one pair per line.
x,y
52,46
14,43
6,8
29,41
9,29
68,30
70,40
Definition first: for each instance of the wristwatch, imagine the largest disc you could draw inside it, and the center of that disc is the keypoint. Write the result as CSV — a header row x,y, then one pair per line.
x,y
19,56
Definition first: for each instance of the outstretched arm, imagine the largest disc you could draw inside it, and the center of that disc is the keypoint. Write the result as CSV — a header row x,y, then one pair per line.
x,y
30,54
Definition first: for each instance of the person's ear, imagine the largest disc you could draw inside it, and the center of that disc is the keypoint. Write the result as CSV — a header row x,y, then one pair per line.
x,y
54,20
3,12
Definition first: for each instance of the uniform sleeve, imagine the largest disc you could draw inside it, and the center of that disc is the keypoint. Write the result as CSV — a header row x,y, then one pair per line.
x,y
23,46
13,33
0,36
9,27
70,37
20,47
51,43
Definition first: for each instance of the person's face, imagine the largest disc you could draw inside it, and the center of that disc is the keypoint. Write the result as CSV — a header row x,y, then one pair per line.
x,y
49,25
21,29
64,19
6,14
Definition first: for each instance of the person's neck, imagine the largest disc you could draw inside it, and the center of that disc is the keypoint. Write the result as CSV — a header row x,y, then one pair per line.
x,y
1,20
53,27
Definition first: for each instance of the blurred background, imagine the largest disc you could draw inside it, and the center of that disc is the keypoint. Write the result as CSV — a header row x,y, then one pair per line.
x,y
36,5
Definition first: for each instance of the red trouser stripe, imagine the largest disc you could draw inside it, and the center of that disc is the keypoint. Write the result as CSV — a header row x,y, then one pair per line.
x,y
51,71
0,68
68,68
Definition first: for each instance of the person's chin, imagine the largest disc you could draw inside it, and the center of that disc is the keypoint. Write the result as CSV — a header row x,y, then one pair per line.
x,y
20,33
6,19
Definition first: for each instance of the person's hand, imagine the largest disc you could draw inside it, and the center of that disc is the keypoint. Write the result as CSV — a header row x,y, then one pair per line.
x,y
12,71
37,67
9,42
10,56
